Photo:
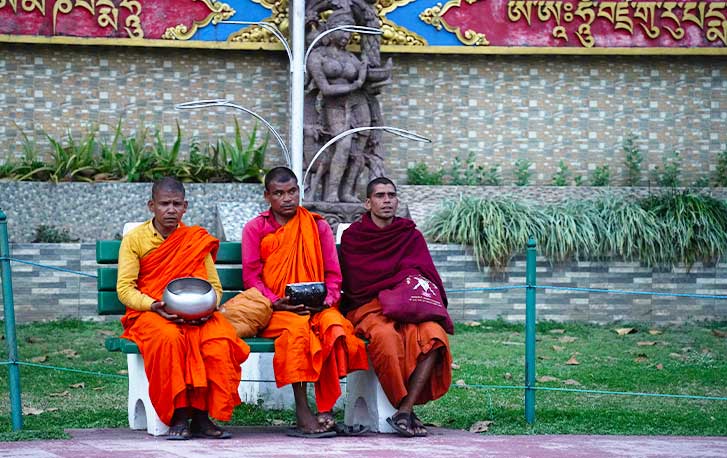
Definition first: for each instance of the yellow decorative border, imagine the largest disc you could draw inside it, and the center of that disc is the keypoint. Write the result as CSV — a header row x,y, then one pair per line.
x,y
467,50
434,16
257,34
218,12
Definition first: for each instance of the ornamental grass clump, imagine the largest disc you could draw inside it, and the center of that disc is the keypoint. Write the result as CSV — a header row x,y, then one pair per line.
x,y
571,231
695,226
630,232
496,229
661,230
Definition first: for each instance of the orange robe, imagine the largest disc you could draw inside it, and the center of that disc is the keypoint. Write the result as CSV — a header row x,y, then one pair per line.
x,y
320,348
396,348
194,366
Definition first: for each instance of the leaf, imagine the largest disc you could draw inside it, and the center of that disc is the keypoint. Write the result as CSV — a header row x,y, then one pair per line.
x,y
32,411
677,356
659,366
572,361
480,426
646,343
460,382
655,332
78,385
557,331
558,348
546,379
624,331
567,339
278,422
39,359
507,376
570,381
52,409
61,394
122,372
98,388
69,353
641,359
455,366
108,360
718,333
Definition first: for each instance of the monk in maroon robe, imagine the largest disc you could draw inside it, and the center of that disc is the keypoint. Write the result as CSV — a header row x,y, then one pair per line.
x,y
412,360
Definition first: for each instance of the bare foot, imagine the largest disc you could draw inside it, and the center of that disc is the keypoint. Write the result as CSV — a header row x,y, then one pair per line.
x,y
326,420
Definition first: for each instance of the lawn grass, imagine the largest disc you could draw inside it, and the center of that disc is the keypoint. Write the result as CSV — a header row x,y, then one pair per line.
x,y
690,359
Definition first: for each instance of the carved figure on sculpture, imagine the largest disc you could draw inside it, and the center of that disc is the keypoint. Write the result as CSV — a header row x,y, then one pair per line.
x,y
341,94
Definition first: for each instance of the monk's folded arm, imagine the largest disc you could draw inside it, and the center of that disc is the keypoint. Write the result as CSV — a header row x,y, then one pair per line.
x,y
128,272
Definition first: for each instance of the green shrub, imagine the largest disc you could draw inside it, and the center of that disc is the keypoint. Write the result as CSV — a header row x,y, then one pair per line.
x,y
133,159
420,175
632,160
472,174
720,174
522,172
562,176
52,234
668,174
601,176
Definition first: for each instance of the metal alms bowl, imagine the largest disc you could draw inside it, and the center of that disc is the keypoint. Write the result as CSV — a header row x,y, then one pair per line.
x,y
190,298
310,294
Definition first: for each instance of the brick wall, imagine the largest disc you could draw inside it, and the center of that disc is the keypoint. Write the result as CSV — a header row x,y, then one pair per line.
x,y
500,107
44,294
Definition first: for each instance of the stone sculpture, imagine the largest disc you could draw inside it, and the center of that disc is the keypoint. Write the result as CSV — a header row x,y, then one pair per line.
x,y
341,94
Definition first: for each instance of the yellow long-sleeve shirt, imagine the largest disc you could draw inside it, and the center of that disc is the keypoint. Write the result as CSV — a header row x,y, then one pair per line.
x,y
135,245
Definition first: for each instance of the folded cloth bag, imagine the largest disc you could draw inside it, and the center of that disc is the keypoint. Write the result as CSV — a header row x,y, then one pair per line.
x,y
414,300
248,312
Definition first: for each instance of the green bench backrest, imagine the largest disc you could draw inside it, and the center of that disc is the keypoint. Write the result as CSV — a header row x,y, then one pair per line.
x,y
229,267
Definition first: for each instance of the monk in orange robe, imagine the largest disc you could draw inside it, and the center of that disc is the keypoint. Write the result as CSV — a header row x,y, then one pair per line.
x,y
411,359
288,244
193,367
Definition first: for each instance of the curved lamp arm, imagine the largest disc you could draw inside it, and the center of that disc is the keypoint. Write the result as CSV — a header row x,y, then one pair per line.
x,y
393,130
345,28
272,28
196,104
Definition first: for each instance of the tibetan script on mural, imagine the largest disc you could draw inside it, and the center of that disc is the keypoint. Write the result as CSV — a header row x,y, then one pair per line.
x,y
107,18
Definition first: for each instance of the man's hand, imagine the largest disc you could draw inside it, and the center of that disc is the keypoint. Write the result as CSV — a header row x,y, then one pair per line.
x,y
315,309
158,308
283,305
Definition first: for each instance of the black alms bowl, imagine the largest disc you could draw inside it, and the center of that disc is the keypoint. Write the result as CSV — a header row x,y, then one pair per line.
x,y
310,294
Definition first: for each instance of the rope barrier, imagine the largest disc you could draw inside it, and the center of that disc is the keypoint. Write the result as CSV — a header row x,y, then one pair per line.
x,y
621,291
606,392
61,269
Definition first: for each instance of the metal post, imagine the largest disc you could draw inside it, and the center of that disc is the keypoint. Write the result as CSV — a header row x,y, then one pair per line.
x,y
297,79
530,332
16,408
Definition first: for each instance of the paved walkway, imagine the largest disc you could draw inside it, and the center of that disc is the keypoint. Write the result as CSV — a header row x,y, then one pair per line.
x,y
441,443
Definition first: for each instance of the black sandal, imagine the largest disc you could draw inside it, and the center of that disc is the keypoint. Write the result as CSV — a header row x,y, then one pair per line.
x,y
402,423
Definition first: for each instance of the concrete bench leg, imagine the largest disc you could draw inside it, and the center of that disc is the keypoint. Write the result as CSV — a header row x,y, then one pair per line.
x,y
141,413
367,403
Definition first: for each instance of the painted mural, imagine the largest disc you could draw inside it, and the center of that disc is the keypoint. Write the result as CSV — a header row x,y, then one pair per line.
x,y
408,25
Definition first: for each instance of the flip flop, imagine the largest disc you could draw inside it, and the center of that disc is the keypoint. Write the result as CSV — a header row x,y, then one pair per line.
x,y
395,422
419,424
350,430
219,433
180,436
295,432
